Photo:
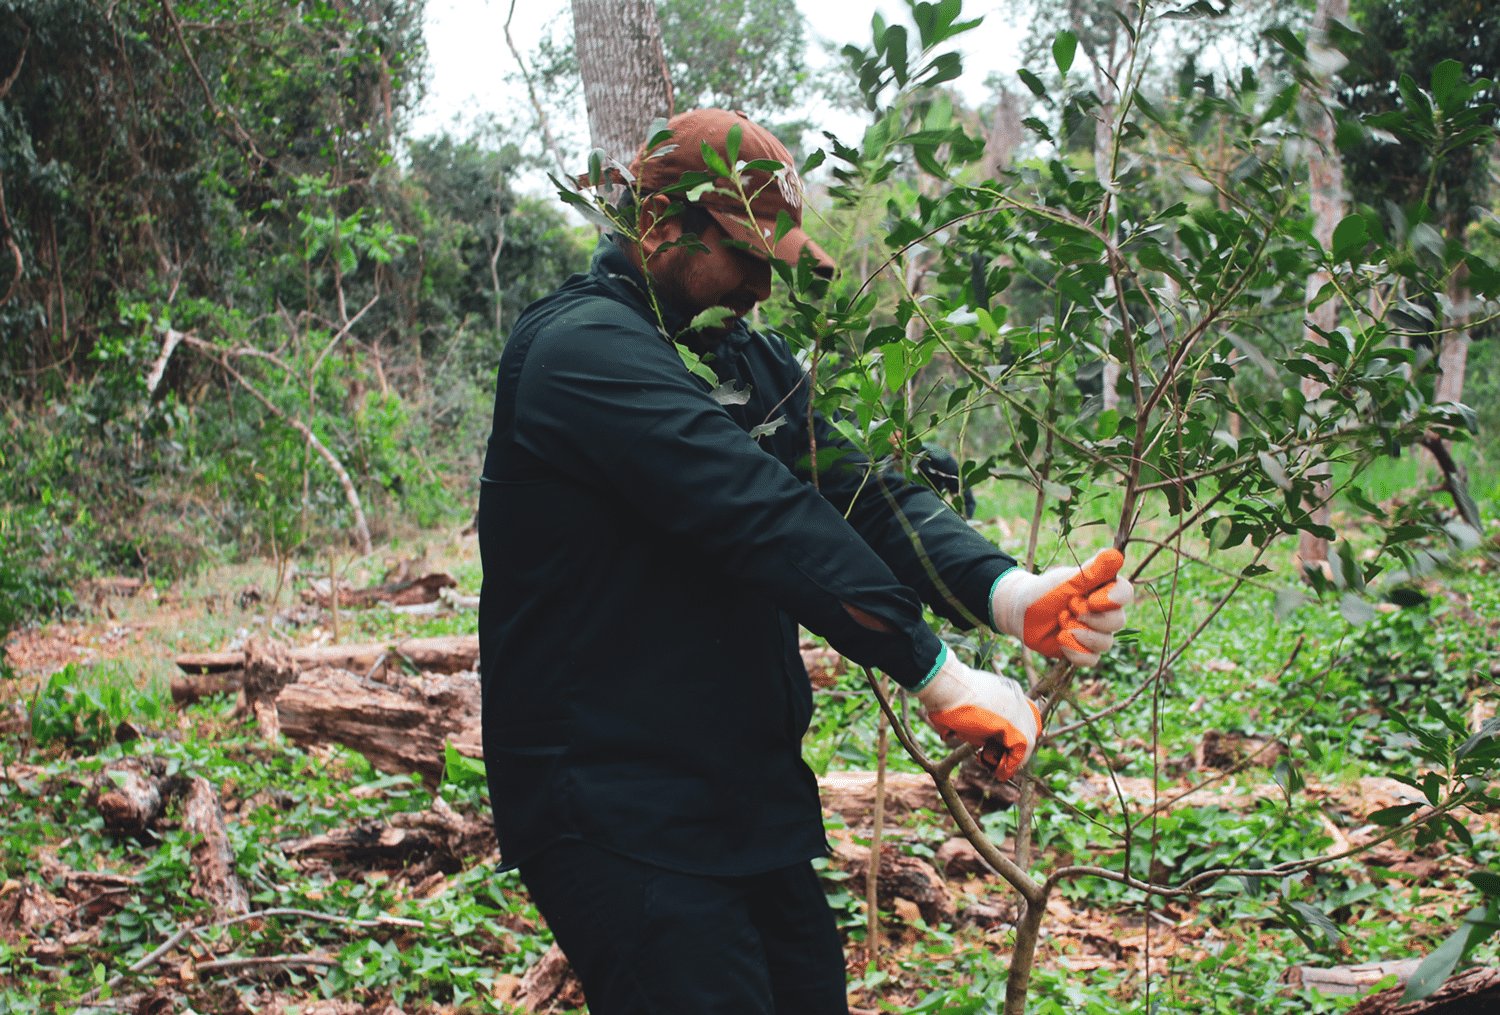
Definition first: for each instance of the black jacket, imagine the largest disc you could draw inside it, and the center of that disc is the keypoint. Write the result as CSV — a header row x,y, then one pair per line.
x,y
646,563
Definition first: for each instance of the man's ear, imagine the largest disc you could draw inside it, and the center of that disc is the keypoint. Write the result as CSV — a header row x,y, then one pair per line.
x,y
656,229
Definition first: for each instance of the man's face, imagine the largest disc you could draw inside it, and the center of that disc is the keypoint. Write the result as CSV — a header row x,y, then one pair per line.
x,y
691,281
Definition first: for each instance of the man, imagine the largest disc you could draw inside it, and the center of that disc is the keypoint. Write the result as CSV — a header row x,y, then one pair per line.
x,y
646,564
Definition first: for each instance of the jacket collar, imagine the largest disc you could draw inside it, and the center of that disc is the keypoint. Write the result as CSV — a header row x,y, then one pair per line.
x,y
613,271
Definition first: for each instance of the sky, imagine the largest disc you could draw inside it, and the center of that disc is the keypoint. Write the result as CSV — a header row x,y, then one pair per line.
x,y
468,59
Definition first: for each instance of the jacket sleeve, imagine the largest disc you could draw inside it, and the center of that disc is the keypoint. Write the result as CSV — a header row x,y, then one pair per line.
x,y
610,404
928,545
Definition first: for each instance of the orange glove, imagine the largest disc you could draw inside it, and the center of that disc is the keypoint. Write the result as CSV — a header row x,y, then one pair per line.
x,y
1071,612
981,708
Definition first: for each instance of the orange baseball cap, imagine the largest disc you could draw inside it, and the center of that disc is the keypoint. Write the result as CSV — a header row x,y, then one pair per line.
x,y
770,192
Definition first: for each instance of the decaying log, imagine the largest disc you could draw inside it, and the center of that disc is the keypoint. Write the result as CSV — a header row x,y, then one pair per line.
x,y
1224,751
958,858
214,877
400,729
191,688
403,592
368,844
852,794
449,654
130,792
440,836
268,668
550,982
1472,992
1346,981
899,877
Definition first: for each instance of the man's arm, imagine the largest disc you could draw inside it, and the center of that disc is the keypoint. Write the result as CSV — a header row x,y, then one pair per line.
x,y
928,546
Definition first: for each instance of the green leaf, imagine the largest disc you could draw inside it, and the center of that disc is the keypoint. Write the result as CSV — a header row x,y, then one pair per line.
x,y
1390,817
713,160
1033,82
1487,882
731,392
1350,237
1317,918
461,770
658,132
1436,967
1038,126
695,365
1108,424
732,145
1274,470
1355,610
784,225
1447,76
763,429
713,317
1063,49
895,53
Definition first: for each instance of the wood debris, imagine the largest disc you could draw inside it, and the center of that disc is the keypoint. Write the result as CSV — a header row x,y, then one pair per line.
x,y
400,728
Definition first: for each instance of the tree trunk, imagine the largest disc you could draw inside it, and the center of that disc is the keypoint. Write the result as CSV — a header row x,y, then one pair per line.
x,y
625,79
1005,133
1453,354
453,653
1325,190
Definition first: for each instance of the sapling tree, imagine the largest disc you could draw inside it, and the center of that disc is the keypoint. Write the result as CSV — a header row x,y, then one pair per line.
x,y
1177,261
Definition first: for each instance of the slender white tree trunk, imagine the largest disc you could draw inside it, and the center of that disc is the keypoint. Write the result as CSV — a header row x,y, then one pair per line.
x,y
1453,354
625,79
1325,183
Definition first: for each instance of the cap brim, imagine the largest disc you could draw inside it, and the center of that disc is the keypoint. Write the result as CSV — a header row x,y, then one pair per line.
x,y
789,249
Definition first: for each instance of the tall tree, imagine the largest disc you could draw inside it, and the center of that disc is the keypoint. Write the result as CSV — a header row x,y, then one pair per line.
x,y
1411,37
625,80
735,54
1326,201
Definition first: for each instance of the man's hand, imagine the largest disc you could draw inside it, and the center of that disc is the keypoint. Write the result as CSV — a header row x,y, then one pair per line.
x,y
1071,612
983,709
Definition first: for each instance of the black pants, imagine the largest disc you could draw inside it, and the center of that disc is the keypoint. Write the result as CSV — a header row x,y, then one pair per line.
x,y
646,940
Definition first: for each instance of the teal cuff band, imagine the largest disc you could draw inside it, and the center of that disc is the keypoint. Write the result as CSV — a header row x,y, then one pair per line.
x,y
941,659
994,626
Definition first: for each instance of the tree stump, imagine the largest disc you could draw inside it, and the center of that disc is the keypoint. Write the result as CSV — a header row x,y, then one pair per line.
x,y
268,668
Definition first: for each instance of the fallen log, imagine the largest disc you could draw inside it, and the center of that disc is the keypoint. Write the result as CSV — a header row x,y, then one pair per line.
x,y
215,879
454,653
439,836
550,982
404,592
400,729
852,794
1473,992
191,688
899,877
1346,981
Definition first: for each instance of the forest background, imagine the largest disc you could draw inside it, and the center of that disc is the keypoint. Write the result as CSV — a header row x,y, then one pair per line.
x,y
246,315
244,176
